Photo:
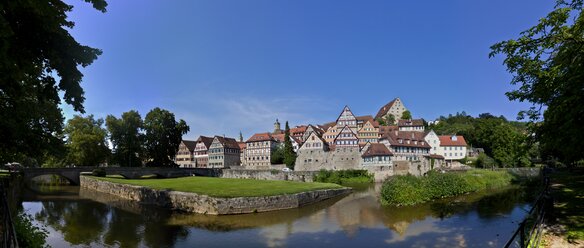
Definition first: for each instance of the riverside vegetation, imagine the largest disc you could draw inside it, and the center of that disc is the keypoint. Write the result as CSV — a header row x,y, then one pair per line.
x,y
411,190
344,177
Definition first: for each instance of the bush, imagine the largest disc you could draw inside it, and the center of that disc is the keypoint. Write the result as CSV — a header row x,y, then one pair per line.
x,y
27,234
343,176
410,190
99,172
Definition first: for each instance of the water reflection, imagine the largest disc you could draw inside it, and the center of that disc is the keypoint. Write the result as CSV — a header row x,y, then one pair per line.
x,y
87,218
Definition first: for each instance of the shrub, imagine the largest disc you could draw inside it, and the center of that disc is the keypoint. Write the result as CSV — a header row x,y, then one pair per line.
x,y
99,172
27,234
344,176
410,190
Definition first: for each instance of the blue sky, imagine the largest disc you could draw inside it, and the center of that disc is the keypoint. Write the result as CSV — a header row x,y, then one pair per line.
x,y
225,66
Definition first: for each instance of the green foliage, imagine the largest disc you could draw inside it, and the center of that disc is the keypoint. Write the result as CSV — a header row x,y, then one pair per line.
x,y
163,136
126,138
53,162
381,121
484,161
343,176
99,172
289,154
35,46
27,234
277,156
406,115
568,201
86,141
390,119
411,190
547,61
505,141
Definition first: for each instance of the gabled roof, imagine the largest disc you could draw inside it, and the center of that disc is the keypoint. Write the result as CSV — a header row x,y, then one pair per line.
x,y
408,138
228,142
452,140
364,118
316,129
261,137
190,144
383,110
206,140
410,123
280,138
298,129
325,144
376,149
346,128
242,145
346,108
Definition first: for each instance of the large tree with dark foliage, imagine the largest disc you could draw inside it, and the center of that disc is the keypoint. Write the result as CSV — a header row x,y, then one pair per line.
x,y
547,63
127,138
86,141
38,60
163,136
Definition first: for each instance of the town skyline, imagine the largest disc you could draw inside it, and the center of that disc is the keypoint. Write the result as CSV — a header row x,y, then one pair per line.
x,y
240,68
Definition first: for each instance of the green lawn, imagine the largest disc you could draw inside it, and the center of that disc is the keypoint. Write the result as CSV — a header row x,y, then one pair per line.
x,y
568,193
225,187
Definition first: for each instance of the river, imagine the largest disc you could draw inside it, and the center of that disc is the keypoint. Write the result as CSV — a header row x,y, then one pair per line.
x,y
77,217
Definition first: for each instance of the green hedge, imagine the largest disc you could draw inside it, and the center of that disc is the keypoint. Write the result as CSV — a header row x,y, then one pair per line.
x,y
411,190
343,176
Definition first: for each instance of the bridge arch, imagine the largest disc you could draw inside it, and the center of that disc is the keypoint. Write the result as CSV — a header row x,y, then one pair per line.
x,y
73,180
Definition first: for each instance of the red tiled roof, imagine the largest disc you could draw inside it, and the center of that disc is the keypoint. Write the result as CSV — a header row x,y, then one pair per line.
x,y
383,110
242,145
376,149
206,140
446,140
410,123
298,129
190,144
261,137
387,129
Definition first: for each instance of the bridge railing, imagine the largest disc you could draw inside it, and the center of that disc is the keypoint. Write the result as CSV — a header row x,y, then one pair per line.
x,y
8,237
530,230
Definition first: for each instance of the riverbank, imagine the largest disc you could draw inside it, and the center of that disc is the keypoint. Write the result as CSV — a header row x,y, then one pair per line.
x,y
566,228
216,196
411,190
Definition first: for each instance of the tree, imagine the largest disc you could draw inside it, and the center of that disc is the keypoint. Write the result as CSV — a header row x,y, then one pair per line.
x,y
289,154
126,138
163,136
35,45
277,156
406,115
390,119
381,121
547,61
86,141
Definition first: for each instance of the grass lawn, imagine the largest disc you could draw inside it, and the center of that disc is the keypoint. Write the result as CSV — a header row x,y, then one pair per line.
x,y
568,193
225,187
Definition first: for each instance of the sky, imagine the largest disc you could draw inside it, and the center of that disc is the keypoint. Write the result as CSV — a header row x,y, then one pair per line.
x,y
230,66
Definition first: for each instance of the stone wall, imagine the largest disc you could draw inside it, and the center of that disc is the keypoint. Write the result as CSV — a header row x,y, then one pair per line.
x,y
300,176
192,202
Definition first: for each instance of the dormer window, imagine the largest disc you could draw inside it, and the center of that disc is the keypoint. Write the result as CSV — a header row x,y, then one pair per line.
x,y
453,138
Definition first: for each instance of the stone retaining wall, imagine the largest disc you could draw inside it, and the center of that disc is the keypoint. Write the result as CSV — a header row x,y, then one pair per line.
x,y
299,176
192,202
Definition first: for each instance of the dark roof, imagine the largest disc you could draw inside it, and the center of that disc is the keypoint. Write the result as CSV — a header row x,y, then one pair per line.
x,y
228,142
436,156
376,149
190,144
383,110
206,140
410,123
387,129
261,137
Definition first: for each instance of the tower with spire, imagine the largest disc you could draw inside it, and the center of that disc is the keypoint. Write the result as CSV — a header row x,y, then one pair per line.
x,y
277,129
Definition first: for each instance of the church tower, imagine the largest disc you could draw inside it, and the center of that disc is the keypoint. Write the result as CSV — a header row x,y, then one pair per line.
x,y
277,129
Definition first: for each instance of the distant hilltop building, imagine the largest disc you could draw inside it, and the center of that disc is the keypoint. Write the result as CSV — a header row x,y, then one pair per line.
x,y
395,108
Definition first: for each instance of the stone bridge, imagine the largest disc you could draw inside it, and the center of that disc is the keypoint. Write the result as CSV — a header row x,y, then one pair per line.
x,y
72,174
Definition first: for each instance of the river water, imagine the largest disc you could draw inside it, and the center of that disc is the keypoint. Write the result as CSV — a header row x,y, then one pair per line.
x,y
77,217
